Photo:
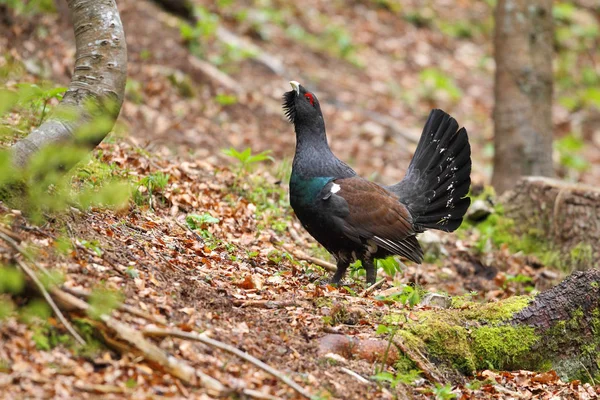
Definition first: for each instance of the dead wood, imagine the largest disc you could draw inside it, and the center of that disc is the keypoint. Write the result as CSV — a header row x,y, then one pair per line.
x,y
157,332
565,214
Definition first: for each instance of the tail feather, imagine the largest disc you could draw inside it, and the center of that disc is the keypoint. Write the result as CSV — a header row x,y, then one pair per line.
x,y
439,175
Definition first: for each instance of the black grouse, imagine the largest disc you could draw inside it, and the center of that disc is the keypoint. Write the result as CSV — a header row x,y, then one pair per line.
x,y
355,219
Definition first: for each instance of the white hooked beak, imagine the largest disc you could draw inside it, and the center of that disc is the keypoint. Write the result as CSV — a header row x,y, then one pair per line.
x,y
296,86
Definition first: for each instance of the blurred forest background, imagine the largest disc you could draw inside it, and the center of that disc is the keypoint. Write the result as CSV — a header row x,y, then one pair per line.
x,y
180,218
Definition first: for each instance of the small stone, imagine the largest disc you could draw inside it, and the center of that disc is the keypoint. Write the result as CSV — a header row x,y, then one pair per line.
x,y
436,300
479,210
431,242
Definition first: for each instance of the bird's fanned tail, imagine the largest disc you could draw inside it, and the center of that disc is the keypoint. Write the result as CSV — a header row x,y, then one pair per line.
x,y
439,175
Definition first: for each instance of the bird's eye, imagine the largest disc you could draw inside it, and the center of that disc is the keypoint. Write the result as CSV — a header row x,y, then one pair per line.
x,y
310,98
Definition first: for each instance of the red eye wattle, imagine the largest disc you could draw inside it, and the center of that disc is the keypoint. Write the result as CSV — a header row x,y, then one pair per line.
x,y
310,98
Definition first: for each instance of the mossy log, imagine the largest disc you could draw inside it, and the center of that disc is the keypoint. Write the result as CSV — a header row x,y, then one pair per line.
x,y
567,215
557,330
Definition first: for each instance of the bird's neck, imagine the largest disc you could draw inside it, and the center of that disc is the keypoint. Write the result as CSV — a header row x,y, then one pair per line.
x,y
314,158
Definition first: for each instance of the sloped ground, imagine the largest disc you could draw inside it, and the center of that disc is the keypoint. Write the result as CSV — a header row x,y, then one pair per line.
x,y
219,281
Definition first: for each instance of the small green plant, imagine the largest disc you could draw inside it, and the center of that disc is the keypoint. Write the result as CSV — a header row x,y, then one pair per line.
x,y
38,97
200,221
408,295
151,184
569,149
443,392
246,159
390,265
92,245
391,332
436,85
203,30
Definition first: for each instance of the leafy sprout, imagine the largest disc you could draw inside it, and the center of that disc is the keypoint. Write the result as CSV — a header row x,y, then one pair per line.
x,y
246,159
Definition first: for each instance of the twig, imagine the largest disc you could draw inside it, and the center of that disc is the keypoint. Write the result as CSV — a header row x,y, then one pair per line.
x,y
358,377
31,274
421,362
157,332
187,228
372,288
509,392
259,395
270,304
588,372
104,389
212,72
303,256
11,234
51,302
123,307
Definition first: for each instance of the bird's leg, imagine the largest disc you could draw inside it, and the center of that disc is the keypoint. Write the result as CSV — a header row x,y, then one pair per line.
x,y
369,267
342,266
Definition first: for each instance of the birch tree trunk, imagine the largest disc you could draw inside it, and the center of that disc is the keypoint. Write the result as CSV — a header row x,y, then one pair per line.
x,y
523,91
98,80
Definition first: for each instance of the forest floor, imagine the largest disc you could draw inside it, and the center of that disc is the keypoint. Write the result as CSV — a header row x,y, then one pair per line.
x,y
210,245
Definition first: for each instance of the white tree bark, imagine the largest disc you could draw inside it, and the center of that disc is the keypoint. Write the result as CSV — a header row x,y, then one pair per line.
x,y
99,75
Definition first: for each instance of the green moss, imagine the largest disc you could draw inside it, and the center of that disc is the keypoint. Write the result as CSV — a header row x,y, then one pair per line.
x,y
496,311
501,346
404,365
471,337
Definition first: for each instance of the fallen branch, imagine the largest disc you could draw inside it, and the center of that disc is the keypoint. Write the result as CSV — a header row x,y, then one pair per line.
x,y
158,332
32,275
358,377
303,256
269,304
372,288
150,351
159,319
259,395
187,228
214,73
429,370
273,63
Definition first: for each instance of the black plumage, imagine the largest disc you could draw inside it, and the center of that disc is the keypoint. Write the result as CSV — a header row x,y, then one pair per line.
x,y
357,219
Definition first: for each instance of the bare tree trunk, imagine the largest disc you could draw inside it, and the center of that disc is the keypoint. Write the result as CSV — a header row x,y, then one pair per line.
x,y
523,91
100,74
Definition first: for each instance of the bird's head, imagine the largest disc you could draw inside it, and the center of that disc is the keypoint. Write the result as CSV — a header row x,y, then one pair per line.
x,y
302,107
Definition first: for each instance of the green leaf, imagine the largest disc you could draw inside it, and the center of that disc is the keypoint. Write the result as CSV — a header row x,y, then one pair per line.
x,y
195,221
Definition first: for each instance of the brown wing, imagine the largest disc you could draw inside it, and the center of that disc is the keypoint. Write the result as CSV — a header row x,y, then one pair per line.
x,y
377,214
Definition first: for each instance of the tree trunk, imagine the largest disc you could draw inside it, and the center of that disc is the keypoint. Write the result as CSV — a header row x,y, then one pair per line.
x,y
557,330
100,74
565,215
523,91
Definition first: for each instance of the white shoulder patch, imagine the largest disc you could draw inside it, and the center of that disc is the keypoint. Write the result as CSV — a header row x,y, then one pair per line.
x,y
335,188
